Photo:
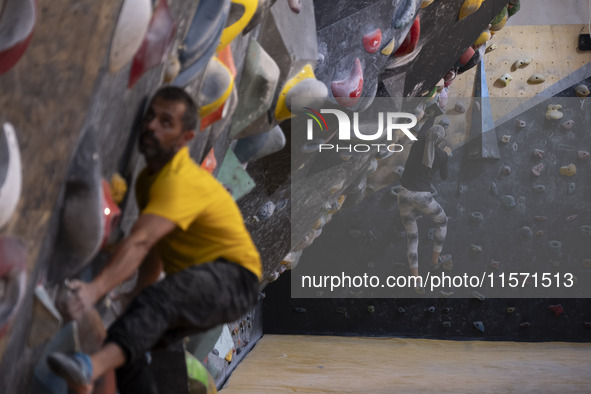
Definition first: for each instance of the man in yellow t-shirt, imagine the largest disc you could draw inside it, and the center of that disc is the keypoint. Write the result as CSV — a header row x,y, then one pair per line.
x,y
190,228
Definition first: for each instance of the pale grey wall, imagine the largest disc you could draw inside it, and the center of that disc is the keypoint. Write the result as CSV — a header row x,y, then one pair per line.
x,y
551,12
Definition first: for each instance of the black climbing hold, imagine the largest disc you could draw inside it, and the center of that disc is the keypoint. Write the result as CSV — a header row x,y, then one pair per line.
x,y
508,202
476,217
266,210
401,310
493,189
430,309
479,325
526,233
446,324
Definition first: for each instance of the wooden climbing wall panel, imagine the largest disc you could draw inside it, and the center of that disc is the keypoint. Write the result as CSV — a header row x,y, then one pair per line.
x,y
553,50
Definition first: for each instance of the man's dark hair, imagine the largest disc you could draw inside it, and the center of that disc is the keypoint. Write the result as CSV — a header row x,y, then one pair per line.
x,y
177,94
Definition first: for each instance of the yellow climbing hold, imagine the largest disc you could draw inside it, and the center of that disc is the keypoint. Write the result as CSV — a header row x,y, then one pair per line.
x,y
230,32
505,79
484,37
491,48
118,188
389,48
228,357
535,79
469,7
337,205
219,75
281,110
569,170
553,112
499,25
426,3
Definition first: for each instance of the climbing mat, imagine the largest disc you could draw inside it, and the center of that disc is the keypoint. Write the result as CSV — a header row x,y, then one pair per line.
x,y
325,364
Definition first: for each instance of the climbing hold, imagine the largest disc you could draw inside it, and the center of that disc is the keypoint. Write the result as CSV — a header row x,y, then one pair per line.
x,y
510,309
13,278
587,324
582,91
539,234
446,324
555,246
513,7
446,262
506,171
490,48
118,187
156,44
466,56
569,124
526,233
505,79
520,123
266,210
132,24
537,169
460,108
508,202
449,77
571,218
411,40
583,155
557,309
475,249
172,67
347,91
536,79
372,41
444,122
522,63
430,309
292,259
446,294
462,188
585,230
426,3
312,89
484,37
499,21
505,139
478,296
553,112
247,9
494,264
371,309
541,218
373,166
525,324
569,170
218,83
17,23
494,190
476,217
300,309
401,310
469,7
586,263
571,188
260,145
403,15
295,5
538,153
389,48
10,162
479,325
336,205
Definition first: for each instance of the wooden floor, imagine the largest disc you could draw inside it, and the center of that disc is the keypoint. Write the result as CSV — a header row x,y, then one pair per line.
x,y
314,364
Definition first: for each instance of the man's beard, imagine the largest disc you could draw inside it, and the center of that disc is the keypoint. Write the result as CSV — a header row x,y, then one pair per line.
x,y
153,151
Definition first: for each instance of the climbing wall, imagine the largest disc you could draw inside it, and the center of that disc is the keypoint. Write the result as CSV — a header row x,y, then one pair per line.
x,y
71,121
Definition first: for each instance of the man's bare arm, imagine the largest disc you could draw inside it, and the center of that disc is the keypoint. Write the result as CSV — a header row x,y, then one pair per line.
x,y
128,256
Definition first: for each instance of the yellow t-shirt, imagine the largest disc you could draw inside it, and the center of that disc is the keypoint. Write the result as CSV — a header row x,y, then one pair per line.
x,y
209,223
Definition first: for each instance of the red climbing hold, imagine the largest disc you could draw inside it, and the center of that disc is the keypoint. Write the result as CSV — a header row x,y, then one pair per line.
x,y
348,91
372,41
557,309
111,212
525,324
209,163
466,56
410,41
17,22
157,43
541,218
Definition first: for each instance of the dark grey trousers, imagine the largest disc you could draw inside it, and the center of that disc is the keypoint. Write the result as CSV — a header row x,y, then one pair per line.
x,y
184,303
